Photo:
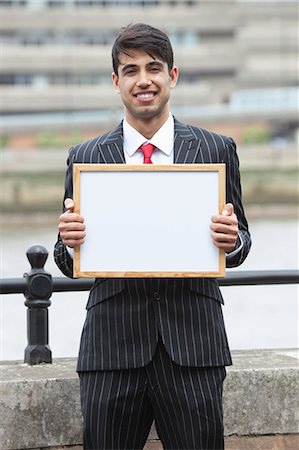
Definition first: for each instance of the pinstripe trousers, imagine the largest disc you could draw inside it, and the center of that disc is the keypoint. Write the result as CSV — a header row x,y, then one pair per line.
x,y
119,406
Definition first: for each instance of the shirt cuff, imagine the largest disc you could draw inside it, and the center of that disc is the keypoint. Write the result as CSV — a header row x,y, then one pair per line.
x,y
70,252
237,250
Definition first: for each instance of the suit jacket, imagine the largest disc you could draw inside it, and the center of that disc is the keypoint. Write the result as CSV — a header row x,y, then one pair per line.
x,y
125,317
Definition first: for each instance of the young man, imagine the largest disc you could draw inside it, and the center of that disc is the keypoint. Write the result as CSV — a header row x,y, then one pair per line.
x,y
153,348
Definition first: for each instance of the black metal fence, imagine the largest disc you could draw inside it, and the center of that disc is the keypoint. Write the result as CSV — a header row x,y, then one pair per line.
x,y
37,285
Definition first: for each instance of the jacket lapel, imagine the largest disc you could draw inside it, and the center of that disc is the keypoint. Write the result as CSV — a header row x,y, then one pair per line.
x,y
111,148
186,144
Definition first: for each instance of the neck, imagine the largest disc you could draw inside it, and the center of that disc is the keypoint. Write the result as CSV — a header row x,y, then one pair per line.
x,y
148,128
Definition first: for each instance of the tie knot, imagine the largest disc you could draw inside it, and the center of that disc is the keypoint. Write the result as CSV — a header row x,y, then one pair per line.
x,y
147,150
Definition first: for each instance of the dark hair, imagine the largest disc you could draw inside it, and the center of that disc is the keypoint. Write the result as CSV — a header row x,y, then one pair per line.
x,y
145,37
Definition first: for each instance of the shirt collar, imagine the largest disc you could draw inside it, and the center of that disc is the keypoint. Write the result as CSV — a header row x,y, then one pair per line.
x,y
163,139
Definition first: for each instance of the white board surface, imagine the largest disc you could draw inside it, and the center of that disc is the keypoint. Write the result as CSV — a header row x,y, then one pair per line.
x,y
148,221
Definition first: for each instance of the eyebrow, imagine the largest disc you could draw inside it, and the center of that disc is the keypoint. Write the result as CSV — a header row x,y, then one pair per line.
x,y
150,64
155,63
128,66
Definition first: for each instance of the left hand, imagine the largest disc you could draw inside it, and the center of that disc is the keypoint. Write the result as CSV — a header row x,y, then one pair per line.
x,y
225,229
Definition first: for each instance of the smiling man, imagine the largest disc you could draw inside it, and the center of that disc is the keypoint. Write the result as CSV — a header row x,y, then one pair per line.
x,y
153,349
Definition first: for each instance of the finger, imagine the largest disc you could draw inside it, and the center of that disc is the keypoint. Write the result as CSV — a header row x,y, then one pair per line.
x,y
73,242
72,238
226,238
232,229
226,220
69,227
73,235
228,209
224,246
69,204
69,217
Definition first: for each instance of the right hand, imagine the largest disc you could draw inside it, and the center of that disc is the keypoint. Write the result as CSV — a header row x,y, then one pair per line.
x,y
71,226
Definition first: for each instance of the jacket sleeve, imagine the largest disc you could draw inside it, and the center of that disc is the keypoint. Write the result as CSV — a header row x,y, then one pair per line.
x,y
234,196
61,256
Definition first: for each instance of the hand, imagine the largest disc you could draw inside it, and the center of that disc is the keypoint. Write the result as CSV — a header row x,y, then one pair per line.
x,y
225,229
71,226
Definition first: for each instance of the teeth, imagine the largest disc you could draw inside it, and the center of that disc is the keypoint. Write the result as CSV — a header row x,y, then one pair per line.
x,y
145,95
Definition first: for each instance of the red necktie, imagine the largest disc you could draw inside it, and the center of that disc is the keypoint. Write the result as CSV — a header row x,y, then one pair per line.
x,y
147,150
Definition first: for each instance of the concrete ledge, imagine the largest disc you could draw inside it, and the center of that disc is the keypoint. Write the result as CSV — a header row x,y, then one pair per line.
x,y
40,406
273,442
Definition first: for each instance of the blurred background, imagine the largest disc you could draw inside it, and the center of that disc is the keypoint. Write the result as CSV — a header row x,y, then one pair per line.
x,y
238,64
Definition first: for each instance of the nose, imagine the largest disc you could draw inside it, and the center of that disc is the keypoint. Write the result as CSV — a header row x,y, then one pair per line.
x,y
143,82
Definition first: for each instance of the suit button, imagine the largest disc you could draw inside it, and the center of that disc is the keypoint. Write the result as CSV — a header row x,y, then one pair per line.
x,y
157,296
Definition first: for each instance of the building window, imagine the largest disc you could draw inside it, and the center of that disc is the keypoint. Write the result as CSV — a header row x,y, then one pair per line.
x,y
54,3
6,79
184,38
13,3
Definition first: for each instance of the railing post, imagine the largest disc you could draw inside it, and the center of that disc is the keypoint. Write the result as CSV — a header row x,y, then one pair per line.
x,y
38,292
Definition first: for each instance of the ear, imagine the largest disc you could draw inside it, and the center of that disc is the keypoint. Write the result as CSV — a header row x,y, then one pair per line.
x,y
174,75
115,81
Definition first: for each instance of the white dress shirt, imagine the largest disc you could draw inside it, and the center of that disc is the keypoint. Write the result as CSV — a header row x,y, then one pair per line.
x,y
163,140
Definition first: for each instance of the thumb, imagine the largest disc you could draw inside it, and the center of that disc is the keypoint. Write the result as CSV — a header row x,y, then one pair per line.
x,y
69,204
228,210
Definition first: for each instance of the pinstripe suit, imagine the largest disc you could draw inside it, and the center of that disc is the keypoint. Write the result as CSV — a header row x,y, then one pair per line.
x,y
127,318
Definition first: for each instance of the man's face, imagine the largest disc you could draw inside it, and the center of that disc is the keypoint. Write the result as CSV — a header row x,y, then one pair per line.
x,y
144,83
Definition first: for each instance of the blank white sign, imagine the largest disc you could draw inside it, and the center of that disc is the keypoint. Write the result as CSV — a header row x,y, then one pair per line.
x,y
149,220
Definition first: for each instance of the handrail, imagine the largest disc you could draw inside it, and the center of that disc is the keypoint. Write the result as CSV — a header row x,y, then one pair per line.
x,y
235,278
37,285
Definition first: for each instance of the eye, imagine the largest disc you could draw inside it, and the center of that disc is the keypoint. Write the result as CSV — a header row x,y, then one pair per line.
x,y
130,71
155,69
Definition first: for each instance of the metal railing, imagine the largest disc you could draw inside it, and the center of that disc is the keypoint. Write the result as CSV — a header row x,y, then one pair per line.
x,y
37,285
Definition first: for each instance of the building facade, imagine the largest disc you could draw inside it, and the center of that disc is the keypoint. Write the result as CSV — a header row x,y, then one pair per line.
x,y
55,54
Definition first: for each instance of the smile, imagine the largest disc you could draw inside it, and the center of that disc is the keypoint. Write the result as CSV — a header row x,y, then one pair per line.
x,y
145,95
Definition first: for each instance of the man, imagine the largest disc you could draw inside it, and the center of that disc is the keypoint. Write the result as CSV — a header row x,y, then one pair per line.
x,y
153,348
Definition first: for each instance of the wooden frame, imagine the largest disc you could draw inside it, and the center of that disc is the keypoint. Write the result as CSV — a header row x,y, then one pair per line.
x,y
148,220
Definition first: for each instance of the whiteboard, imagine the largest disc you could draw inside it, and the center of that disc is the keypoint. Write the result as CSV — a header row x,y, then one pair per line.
x,y
148,220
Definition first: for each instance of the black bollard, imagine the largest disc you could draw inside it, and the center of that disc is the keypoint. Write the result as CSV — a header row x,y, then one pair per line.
x,y
38,292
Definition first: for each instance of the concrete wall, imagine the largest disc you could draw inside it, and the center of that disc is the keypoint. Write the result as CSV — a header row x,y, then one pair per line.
x,y
40,406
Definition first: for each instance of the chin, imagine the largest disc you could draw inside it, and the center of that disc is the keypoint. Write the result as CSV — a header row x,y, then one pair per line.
x,y
149,113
